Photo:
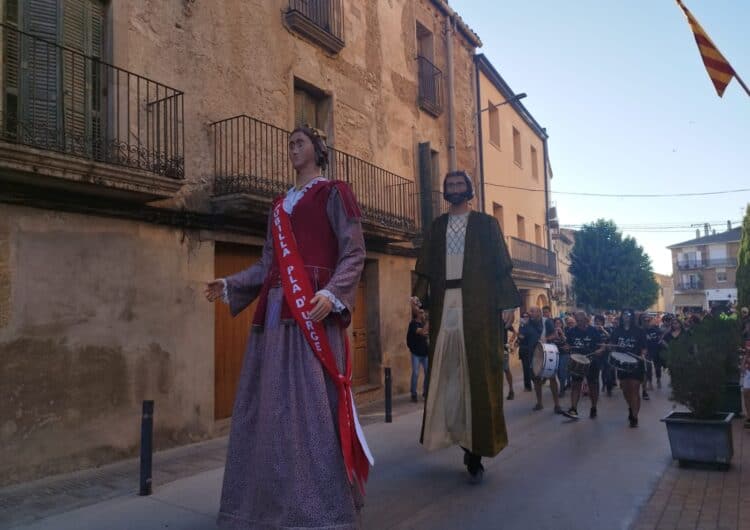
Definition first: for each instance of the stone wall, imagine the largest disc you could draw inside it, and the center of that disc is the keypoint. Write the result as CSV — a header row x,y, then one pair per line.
x,y
105,314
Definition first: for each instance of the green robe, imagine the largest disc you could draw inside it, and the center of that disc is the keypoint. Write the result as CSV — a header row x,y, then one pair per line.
x,y
487,289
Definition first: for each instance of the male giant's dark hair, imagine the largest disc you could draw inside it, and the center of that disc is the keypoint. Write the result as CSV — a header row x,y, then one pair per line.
x,y
321,149
469,186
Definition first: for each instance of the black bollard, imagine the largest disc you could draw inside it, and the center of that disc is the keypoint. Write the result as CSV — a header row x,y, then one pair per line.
x,y
388,400
147,432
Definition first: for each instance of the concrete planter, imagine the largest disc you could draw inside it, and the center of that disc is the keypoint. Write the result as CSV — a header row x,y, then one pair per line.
x,y
707,441
732,399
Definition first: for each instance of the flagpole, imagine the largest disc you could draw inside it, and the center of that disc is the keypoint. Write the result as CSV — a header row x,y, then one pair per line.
x,y
742,83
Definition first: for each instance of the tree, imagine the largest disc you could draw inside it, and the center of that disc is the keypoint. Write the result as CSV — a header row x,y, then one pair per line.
x,y
609,271
743,263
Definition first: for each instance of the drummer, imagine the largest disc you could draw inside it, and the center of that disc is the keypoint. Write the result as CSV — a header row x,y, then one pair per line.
x,y
629,338
584,339
536,330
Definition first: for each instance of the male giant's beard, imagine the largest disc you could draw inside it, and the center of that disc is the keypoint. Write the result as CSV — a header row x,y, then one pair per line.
x,y
457,198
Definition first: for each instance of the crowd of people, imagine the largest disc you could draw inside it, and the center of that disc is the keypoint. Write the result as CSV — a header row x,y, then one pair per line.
x,y
590,352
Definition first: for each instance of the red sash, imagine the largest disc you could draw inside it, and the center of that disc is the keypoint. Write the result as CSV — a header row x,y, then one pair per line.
x,y
298,292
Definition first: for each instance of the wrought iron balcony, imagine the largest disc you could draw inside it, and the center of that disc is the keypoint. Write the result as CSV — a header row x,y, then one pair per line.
x,y
709,263
251,160
321,21
430,86
690,285
720,262
59,100
530,257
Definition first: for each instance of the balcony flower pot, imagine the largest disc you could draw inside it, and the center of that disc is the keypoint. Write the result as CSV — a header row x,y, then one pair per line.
x,y
700,363
707,440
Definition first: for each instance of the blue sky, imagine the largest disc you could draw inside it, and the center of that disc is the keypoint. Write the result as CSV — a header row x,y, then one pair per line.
x,y
629,107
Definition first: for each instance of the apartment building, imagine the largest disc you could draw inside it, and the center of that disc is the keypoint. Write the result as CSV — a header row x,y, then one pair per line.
x,y
704,269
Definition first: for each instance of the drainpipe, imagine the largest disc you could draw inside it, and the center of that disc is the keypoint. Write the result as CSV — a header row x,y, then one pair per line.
x,y
546,189
478,139
449,31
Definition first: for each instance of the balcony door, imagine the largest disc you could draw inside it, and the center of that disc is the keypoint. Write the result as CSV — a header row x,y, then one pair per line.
x,y
53,86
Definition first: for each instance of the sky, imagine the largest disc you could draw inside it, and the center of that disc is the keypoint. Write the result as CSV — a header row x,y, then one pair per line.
x,y
629,108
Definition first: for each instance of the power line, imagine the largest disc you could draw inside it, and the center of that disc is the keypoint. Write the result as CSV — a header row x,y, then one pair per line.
x,y
665,225
622,195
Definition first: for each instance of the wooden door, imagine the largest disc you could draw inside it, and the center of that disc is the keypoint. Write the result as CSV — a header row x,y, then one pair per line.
x,y
360,366
230,334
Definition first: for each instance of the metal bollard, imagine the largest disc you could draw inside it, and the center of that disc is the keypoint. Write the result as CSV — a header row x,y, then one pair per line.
x,y
147,432
388,397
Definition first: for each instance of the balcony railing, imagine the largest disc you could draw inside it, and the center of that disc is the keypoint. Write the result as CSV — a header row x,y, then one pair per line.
x,y
529,257
430,86
252,157
321,21
719,262
58,99
690,285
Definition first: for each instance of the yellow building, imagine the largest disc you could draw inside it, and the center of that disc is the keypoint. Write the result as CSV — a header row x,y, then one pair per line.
x,y
513,155
665,298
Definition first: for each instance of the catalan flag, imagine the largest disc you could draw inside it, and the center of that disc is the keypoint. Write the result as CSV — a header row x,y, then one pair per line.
x,y
719,69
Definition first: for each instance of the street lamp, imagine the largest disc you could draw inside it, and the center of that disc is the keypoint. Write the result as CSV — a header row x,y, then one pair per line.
x,y
510,100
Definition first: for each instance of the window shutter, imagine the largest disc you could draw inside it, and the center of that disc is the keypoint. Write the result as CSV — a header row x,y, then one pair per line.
x,y
299,108
96,50
39,73
11,56
74,76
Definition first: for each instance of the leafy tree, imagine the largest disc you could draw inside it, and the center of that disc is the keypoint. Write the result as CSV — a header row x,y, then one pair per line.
x,y
609,271
743,263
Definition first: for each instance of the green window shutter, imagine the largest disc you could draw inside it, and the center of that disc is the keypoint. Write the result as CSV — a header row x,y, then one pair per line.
x,y
75,77
11,59
96,50
39,74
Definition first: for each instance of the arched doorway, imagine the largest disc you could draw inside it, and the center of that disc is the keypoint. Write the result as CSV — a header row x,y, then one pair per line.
x,y
541,301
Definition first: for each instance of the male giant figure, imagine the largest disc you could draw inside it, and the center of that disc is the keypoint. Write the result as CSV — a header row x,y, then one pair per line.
x,y
463,277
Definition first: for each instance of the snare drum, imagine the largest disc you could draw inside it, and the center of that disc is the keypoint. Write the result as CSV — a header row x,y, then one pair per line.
x,y
545,361
623,361
578,366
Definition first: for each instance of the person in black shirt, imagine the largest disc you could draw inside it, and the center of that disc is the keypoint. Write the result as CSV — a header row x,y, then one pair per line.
x,y
416,340
628,338
654,335
536,330
584,339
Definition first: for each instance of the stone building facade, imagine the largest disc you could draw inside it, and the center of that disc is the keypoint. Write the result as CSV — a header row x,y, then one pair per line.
x,y
141,145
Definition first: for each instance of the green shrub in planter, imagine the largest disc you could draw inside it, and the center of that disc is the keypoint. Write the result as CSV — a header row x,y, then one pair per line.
x,y
701,362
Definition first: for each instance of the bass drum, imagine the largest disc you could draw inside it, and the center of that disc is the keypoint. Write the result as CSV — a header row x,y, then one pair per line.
x,y
545,360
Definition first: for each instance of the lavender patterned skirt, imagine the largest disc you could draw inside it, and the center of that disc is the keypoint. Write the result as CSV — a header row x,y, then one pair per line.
x,y
284,466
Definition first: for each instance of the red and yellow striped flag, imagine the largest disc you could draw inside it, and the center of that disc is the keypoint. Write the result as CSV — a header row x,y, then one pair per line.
x,y
719,69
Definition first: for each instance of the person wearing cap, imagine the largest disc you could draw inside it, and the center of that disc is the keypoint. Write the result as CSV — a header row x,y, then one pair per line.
x,y
463,277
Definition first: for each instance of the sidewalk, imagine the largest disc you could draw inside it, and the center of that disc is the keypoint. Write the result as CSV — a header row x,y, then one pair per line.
x,y
703,498
25,503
